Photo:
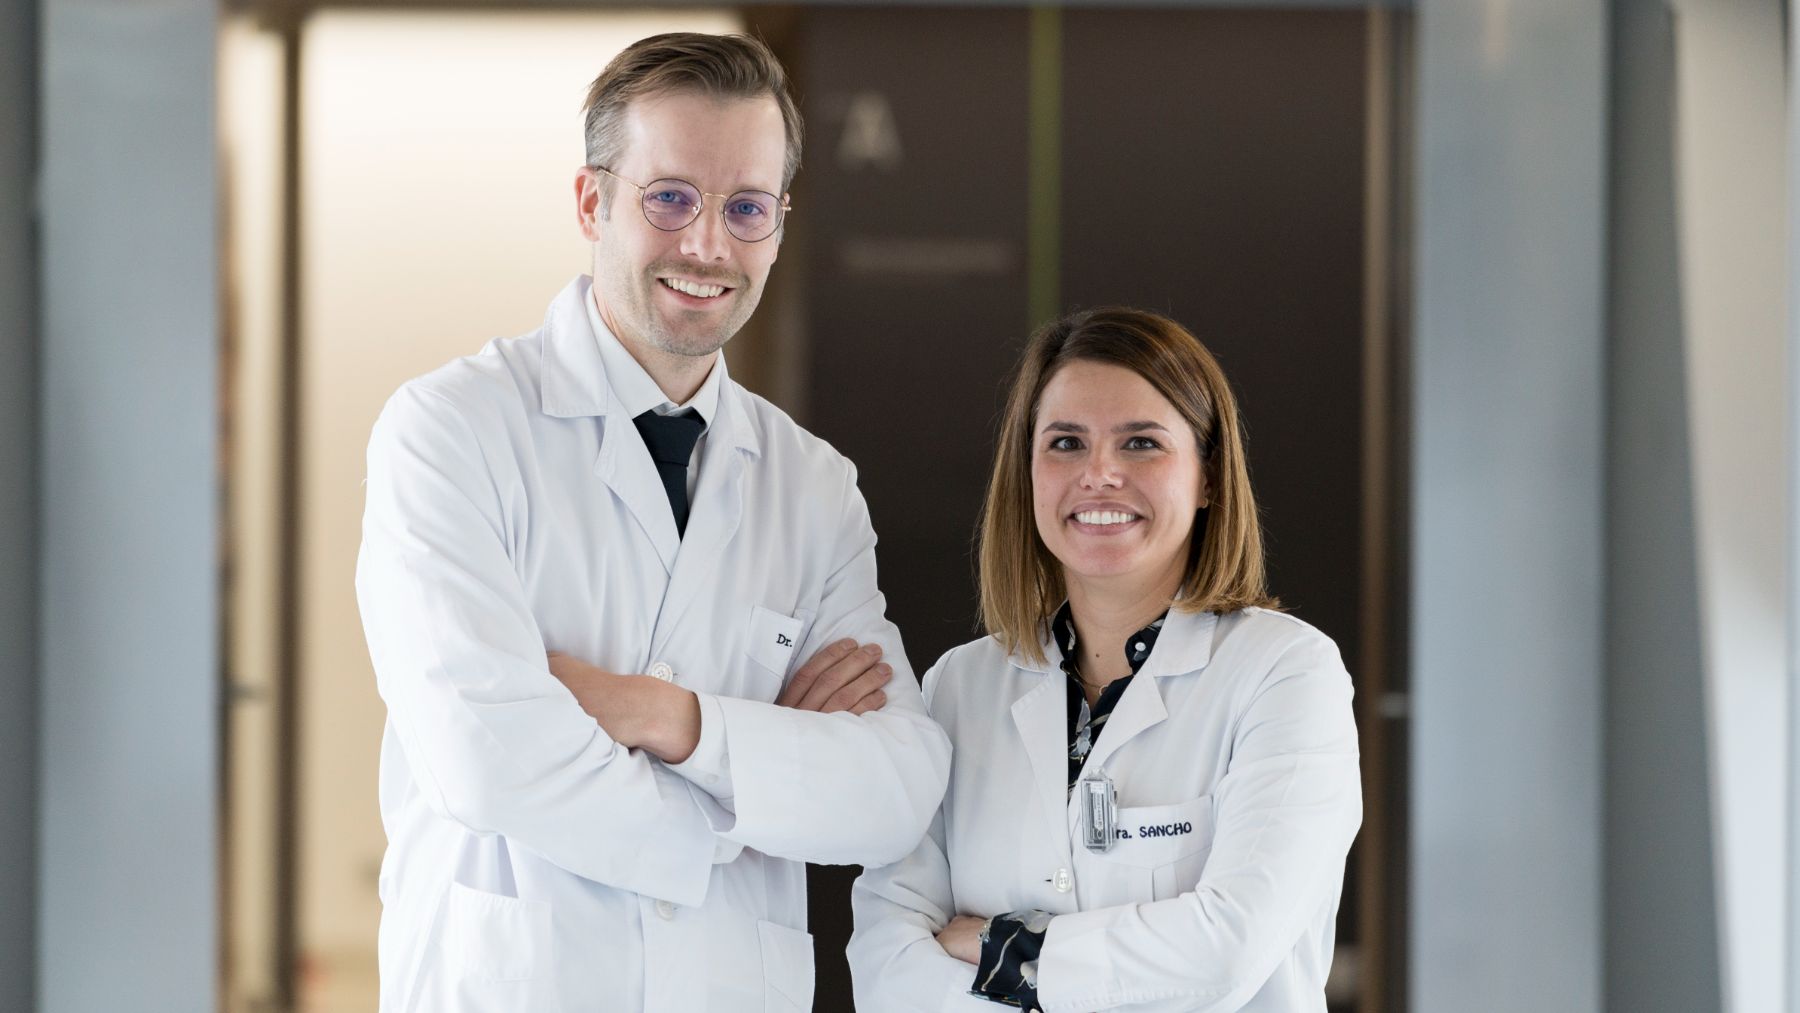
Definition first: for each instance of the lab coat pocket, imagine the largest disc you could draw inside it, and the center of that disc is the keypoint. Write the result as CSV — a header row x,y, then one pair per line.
x,y
1172,841
787,956
496,939
774,638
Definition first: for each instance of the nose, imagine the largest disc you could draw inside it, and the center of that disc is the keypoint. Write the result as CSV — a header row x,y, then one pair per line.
x,y
706,239
1100,470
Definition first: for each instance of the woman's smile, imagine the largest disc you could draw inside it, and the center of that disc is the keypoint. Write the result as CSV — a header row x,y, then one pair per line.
x,y
1116,475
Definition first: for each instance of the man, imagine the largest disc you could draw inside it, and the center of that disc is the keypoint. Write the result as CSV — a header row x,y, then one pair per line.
x,y
590,565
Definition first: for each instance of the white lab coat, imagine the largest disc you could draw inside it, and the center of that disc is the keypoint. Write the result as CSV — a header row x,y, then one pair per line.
x,y
533,865
1234,747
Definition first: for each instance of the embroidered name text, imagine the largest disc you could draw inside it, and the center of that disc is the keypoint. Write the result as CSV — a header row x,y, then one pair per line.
x,y
1166,830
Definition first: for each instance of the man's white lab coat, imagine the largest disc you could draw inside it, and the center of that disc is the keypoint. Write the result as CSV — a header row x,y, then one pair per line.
x,y
533,864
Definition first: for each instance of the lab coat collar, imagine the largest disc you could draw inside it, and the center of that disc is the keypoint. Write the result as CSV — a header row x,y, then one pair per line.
x,y
576,383
574,376
730,449
1183,647
631,384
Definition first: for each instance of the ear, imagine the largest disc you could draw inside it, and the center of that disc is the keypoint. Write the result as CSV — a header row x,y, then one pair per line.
x,y
587,203
1206,485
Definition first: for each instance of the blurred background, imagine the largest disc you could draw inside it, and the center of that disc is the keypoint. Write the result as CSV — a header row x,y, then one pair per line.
x,y
1502,284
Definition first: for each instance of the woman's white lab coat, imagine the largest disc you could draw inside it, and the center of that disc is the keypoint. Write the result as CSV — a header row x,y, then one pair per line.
x,y
533,865
1233,752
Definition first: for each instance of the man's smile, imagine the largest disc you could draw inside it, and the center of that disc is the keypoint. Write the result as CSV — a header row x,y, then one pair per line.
x,y
695,289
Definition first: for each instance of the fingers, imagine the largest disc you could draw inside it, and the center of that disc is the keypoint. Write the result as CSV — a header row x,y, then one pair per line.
x,y
809,673
856,689
873,702
845,671
843,676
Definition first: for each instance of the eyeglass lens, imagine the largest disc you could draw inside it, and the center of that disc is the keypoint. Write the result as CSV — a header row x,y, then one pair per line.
x,y
750,215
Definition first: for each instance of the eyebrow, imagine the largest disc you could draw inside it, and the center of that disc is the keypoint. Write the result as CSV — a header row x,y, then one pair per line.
x,y
1060,426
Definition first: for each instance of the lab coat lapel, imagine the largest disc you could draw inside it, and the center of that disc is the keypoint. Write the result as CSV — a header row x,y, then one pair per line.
x,y
1182,648
1042,718
716,511
574,386
625,466
1140,708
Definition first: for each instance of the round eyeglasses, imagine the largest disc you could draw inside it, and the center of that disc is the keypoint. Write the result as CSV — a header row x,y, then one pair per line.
x,y
673,204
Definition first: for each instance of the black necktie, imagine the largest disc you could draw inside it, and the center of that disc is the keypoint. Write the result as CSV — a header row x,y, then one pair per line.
x,y
670,440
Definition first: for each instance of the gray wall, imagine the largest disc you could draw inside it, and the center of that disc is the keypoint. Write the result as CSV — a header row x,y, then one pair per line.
x,y
18,482
1506,402
129,716
1662,949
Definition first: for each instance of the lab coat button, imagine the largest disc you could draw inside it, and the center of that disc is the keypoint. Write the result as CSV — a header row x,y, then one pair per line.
x,y
1065,881
661,670
665,909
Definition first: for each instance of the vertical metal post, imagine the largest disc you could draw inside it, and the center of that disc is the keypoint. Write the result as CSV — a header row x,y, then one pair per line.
x,y
1793,517
1044,168
1380,727
287,671
20,522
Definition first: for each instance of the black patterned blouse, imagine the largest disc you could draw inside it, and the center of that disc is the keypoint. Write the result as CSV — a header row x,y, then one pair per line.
x,y
1010,943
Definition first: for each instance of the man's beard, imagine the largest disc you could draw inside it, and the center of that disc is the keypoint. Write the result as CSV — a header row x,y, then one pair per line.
x,y
652,324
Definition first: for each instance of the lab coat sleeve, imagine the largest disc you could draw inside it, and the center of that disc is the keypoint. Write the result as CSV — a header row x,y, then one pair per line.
x,y
896,963
709,765
493,740
1285,814
838,789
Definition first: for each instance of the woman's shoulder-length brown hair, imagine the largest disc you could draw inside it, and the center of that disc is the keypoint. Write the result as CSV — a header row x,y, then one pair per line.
x,y
1021,582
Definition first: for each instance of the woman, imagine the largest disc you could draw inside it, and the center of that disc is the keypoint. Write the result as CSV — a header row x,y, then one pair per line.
x,y
1154,782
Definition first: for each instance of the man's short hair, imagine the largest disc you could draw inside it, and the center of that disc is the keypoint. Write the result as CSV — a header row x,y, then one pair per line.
x,y
719,66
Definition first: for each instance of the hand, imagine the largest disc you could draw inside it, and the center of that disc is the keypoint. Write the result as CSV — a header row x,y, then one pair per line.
x,y
841,677
962,938
635,711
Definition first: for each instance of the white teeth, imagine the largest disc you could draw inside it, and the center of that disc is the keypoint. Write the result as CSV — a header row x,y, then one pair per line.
x,y
702,291
1105,517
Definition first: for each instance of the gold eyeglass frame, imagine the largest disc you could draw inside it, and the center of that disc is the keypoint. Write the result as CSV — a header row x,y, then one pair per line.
x,y
783,204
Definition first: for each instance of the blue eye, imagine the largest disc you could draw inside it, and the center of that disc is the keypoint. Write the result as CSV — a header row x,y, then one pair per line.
x,y
1142,443
746,209
1065,443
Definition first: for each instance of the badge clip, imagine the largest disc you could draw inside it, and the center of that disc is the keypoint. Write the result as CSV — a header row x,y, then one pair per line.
x,y
1098,812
